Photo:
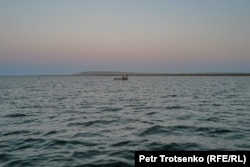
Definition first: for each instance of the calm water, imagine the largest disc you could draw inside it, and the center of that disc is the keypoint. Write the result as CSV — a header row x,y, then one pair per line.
x,y
95,121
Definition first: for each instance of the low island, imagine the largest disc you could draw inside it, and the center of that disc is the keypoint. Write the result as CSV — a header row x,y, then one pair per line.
x,y
115,73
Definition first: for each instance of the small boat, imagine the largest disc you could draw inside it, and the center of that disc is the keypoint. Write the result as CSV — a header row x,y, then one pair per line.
x,y
120,79
124,77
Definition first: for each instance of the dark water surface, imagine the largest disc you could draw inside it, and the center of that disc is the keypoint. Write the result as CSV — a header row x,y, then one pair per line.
x,y
95,121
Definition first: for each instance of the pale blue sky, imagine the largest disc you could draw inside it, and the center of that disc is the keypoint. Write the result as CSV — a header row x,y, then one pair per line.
x,y
64,37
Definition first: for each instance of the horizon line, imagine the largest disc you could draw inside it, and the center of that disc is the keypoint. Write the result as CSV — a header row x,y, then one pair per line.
x,y
118,73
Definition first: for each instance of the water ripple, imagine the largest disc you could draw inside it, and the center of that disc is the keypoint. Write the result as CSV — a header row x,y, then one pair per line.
x,y
93,121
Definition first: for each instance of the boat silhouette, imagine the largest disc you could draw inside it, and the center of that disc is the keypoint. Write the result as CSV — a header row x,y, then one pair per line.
x,y
124,77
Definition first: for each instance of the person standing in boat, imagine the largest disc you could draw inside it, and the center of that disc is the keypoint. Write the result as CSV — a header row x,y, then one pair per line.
x,y
125,77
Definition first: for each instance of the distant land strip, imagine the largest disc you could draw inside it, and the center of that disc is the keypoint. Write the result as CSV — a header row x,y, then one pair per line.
x,y
113,73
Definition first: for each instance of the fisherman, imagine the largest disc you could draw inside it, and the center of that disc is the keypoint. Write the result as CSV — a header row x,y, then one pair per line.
x,y
125,77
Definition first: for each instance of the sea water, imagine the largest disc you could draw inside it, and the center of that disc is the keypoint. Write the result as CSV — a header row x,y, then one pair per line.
x,y
96,121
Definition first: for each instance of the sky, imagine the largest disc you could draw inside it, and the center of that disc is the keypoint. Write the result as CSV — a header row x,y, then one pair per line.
x,y
49,37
